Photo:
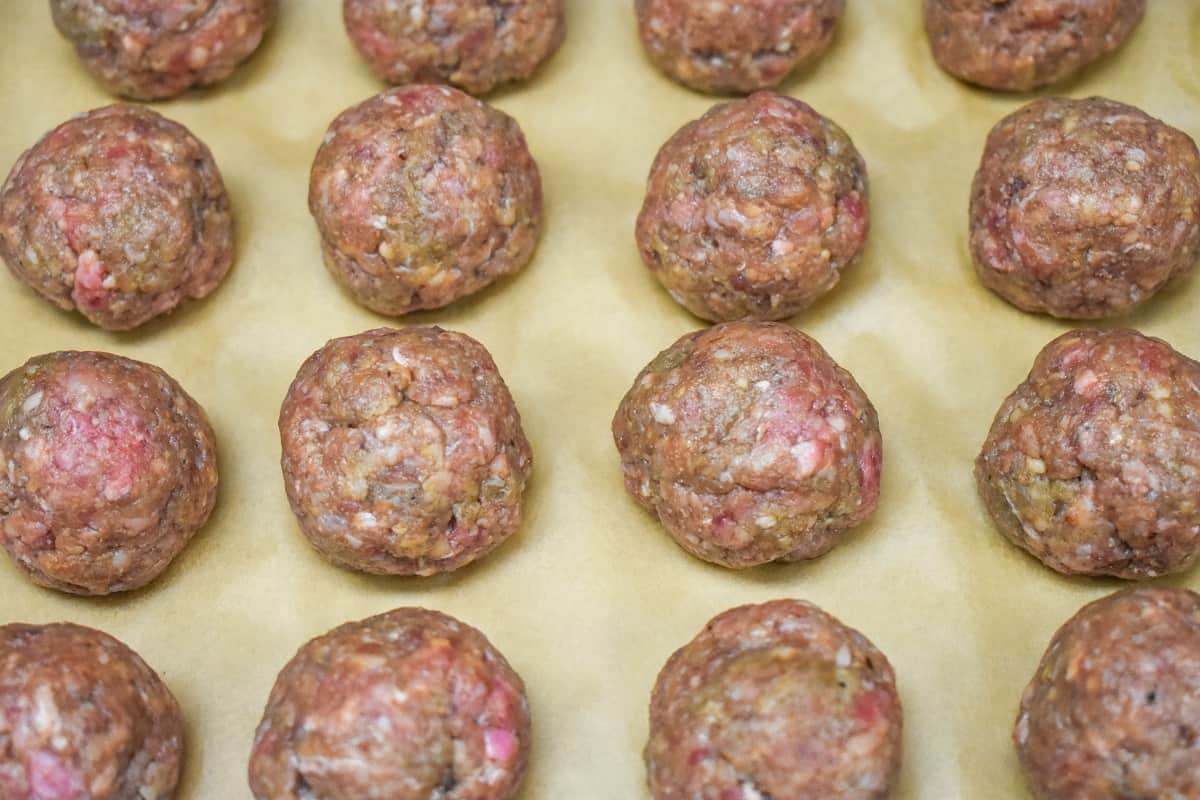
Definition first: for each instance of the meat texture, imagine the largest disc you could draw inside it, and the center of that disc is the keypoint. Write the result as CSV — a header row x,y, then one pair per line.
x,y
1084,209
107,469
1113,710
156,49
1093,463
118,213
403,452
408,705
735,46
778,700
424,195
754,210
475,45
83,718
1020,45
750,444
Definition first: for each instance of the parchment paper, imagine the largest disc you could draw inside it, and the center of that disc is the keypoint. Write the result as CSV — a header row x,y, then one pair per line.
x,y
591,597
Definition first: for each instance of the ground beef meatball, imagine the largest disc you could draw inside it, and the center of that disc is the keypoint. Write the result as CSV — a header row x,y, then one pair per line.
x,y
735,46
775,701
750,444
475,45
119,213
107,469
754,210
408,705
1114,708
1084,208
155,49
1019,45
1093,463
83,718
403,452
424,195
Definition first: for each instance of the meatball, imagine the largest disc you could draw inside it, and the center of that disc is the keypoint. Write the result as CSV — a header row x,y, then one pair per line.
x,y
1083,209
723,46
778,700
754,210
1113,710
408,705
424,195
82,716
1093,463
118,213
475,45
403,452
107,469
1020,45
155,49
750,444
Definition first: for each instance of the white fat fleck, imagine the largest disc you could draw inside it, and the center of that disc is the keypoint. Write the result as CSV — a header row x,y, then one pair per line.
x,y
120,559
46,717
1160,392
24,434
379,222
725,477
400,697
109,282
750,793
364,519
766,521
329,137
722,354
662,414
353,540
837,423
1083,551
843,656
399,358
31,256
59,743
32,402
762,386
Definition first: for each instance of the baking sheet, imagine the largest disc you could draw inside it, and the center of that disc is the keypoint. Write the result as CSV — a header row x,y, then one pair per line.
x,y
591,597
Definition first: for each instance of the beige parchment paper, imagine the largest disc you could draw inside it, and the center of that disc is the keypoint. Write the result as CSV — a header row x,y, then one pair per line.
x,y
591,597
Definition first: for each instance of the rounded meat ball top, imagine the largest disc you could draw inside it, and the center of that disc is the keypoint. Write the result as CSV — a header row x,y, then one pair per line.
x,y
156,49
424,195
408,705
111,468
1020,45
475,45
1083,209
720,46
750,444
777,700
1093,463
754,210
118,213
403,452
1114,707
82,716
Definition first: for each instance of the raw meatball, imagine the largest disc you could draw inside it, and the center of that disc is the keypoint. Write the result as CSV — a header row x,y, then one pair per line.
x,y
119,213
1019,45
109,469
754,210
83,718
723,46
403,452
1093,463
155,49
750,444
775,701
1114,708
408,705
475,45
1084,208
424,195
